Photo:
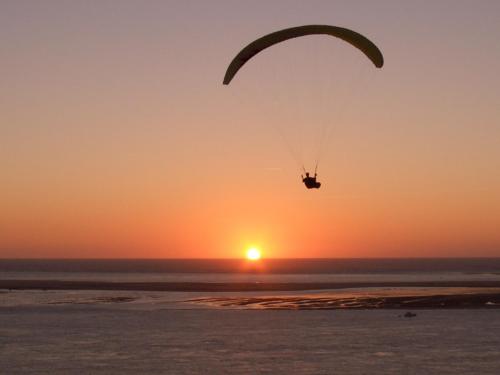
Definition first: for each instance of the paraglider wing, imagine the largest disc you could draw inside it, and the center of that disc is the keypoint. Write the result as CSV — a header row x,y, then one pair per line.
x,y
355,39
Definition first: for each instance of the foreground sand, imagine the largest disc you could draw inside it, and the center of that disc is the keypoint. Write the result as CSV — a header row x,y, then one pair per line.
x,y
116,339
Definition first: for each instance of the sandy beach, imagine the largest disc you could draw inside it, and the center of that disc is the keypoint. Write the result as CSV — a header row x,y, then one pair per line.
x,y
365,295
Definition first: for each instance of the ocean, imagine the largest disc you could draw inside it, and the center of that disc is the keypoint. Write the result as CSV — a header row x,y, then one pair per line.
x,y
227,270
78,322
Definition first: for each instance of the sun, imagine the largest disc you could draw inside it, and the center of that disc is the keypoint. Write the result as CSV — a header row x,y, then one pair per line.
x,y
253,254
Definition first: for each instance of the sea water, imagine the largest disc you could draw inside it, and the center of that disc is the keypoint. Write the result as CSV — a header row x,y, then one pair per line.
x,y
267,270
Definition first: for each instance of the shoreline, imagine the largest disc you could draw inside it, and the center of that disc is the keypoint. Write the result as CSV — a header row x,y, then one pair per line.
x,y
270,296
230,287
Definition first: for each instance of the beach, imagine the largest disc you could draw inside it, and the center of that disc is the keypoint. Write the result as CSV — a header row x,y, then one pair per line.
x,y
127,339
128,317
366,295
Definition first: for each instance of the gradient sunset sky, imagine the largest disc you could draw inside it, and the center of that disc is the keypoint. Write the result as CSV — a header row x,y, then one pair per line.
x,y
118,139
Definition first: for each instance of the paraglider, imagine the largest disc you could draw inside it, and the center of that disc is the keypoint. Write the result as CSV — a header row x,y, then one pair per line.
x,y
311,182
355,39
363,44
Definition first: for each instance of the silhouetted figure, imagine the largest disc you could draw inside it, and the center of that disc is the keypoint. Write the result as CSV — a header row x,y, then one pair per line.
x,y
310,182
409,314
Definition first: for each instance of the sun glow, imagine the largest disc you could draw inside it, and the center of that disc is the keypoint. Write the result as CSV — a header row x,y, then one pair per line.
x,y
253,254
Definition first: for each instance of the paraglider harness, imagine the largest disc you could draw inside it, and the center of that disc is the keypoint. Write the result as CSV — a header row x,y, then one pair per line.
x,y
311,182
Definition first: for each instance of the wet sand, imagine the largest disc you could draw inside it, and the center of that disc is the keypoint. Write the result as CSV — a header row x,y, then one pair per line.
x,y
321,296
431,298
231,287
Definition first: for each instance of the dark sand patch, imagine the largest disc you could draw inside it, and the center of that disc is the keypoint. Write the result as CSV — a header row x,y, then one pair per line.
x,y
92,301
442,298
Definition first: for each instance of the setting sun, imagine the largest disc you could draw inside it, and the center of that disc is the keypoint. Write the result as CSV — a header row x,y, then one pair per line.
x,y
253,254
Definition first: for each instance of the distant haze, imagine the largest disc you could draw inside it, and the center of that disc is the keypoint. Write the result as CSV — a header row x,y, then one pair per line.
x,y
118,139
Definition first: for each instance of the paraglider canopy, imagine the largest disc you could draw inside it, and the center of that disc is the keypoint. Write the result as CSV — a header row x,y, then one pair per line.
x,y
355,39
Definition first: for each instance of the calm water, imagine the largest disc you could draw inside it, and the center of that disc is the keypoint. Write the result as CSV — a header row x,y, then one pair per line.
x,y
277,270
276,266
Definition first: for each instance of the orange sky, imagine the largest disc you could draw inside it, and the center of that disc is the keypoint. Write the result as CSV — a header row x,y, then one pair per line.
x,y
118,139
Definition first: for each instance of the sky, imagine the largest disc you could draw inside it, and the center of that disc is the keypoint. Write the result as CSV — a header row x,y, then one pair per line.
x,y
118,139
